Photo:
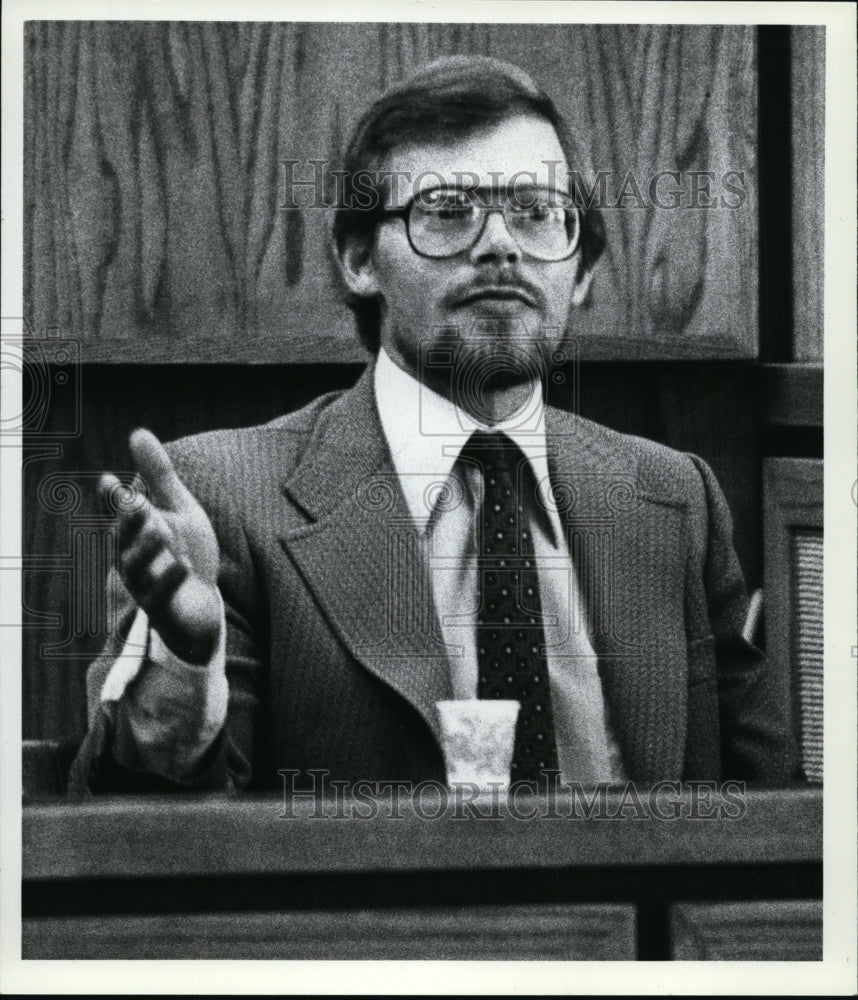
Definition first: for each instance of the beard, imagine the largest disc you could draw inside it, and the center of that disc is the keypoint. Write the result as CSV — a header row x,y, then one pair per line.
x,y
491,371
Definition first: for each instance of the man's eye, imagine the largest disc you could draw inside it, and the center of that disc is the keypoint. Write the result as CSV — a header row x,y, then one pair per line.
x,y
456,210
539,211
456,201
450,208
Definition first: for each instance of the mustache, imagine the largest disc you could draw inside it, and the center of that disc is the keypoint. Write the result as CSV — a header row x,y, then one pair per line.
x,y
502,283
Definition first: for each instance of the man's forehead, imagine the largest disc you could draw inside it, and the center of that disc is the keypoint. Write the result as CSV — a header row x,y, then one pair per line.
x,y
517,150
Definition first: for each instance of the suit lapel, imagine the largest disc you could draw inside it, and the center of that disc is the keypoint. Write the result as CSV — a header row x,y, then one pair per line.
x,y
362,557
624,539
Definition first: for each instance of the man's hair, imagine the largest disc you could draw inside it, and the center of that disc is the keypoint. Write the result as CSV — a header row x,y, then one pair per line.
x,y
449,98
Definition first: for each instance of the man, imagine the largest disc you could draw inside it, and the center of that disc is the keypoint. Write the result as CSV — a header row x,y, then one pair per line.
x,y
305,592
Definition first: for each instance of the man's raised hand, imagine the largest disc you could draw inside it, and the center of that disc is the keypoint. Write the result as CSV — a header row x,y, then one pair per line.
x,y
168,554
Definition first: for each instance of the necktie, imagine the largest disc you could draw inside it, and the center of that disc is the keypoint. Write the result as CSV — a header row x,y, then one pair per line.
x,y
509,633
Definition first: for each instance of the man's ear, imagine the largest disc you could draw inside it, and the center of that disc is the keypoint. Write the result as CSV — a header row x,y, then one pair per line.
x,y
582,286
356,266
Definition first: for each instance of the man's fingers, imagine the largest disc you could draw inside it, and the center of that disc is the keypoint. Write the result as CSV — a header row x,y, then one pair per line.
x,y
127,503
146,552
143,558
152,572
153,463
165,585
108,484
130,524
118,497
167,550
122,500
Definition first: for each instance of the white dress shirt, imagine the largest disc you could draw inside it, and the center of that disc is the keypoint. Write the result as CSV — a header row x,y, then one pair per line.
x,y
425,433
176,710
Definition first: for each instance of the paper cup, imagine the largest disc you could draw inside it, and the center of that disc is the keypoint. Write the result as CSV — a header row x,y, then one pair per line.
x,y
478,736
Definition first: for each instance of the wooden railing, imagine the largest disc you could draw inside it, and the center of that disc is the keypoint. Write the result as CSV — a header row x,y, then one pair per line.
x,y
625,875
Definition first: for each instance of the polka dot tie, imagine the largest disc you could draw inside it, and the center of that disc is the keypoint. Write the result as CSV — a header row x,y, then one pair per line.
x,y
509,634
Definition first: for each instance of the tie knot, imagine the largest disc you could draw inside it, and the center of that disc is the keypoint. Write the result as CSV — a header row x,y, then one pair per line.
x,y
507,476
493,450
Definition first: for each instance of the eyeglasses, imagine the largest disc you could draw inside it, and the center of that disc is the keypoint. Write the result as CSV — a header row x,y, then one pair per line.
x,y
443,222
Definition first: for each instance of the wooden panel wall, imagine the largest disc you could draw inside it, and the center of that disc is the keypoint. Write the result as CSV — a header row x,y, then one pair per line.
x,y
599,932
807,44
154,179
642,99
771,931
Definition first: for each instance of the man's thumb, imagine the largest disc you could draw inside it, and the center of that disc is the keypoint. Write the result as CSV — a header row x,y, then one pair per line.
x,y
154,465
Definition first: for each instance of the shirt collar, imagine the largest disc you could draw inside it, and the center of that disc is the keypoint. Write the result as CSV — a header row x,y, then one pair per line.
x,y
426,431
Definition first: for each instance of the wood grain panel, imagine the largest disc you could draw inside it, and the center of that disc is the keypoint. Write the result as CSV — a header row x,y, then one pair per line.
x,y
807,43
155,181
776,931
645,99
589,933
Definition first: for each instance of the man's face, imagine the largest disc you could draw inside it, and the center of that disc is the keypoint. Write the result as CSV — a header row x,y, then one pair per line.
x,y
492,299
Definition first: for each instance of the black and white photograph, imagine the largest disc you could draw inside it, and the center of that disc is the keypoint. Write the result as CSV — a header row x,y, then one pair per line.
x,y
429,498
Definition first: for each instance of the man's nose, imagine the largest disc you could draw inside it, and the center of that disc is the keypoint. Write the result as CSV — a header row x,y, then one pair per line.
x,y
496,242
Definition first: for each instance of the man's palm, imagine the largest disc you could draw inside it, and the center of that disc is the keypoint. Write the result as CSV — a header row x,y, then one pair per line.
x,y
168,554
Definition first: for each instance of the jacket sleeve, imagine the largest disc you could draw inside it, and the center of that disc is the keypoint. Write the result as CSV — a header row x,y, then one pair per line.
x,y
753,693
109,762
110,759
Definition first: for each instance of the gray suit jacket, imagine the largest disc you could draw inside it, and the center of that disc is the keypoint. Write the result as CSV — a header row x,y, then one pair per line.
x,y
334,654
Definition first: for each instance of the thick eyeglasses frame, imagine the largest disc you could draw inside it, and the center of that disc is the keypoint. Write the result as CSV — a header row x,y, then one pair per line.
x,y
404,213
